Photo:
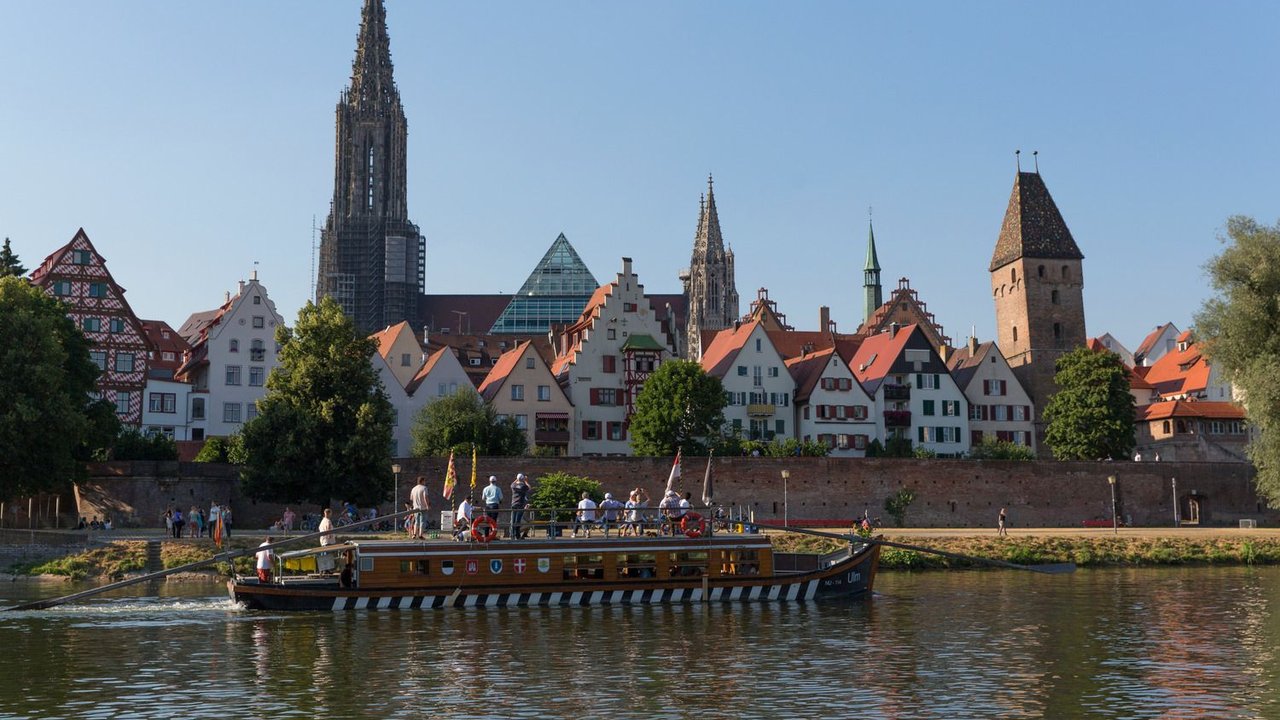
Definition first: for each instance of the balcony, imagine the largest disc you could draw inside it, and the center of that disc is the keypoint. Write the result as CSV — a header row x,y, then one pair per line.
x,y
897,392
550,437
897,418
761,410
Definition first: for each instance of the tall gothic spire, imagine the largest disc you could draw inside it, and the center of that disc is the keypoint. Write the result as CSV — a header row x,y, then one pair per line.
x,y
872,297
372,85
708,237
709,284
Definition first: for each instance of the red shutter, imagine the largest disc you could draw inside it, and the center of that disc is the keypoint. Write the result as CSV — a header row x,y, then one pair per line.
x,y
1004,387
595,396
1026,411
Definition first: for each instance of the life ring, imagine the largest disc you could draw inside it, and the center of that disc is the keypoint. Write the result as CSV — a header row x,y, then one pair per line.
x,y
484,529
693,525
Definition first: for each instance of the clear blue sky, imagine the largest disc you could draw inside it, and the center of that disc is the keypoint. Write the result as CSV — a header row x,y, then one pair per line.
x,y
191,139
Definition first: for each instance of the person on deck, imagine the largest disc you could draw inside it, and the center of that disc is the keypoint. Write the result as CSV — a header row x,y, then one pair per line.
x,y
609,513
264,561
326,527
462,519
492,496
671,512
586,514
418,499
519,501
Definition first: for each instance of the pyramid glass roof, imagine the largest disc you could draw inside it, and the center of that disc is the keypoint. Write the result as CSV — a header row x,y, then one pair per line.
x,y
555,293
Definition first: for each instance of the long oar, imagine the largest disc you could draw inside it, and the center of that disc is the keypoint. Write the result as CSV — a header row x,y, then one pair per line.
x,y
1050,569
220,557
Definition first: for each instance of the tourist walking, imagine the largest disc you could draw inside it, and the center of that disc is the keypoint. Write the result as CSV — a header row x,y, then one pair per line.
x,y
519,501
178,522
193,520
1000,521
215,513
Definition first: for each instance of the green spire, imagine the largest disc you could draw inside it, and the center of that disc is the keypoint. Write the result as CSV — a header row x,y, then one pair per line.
x,y
872,297
873,262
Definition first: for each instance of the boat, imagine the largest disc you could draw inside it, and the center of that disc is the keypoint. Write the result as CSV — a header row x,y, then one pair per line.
x,y
692,567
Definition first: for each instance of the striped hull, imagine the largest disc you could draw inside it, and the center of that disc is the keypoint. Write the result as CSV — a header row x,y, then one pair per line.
x,y
852,578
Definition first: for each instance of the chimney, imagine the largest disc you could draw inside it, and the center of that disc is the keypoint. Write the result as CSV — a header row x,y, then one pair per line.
x,y
226,298
944,353
241,287
254,275
893,329
824,318
626,266
973,346
426,335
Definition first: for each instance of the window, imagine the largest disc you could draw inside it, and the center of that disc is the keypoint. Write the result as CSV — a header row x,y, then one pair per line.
x,y
197,408
259,321
231,412
611,334
99,358
780,427
257,352
628,307
167,356
522,421
528,363
742,371
251,412
91,324
124,362
951,408
404,359
859,442
97,290
928,408
773,372
474,362
1021,412
62,287
1000,413
162,403
756,378
610,363
1168,427
994,387
975,412
604,396
859,412
256,376
927,381
117,325
1013,275
544,393
616,432
257,299
124,399
590,429
1053,297
517,392
1040,271
233,375
233,345
1015,333
1066,272
81,257
758,344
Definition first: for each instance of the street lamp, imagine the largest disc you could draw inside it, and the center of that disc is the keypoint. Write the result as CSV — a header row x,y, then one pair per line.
x,y
1176,519
785,474
1115,522
395,501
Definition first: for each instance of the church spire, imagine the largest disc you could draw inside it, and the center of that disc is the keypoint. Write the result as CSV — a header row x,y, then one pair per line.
x,y
372,85
709,283
872,296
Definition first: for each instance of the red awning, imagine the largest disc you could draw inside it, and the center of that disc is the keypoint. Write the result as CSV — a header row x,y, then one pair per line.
x,y
552,416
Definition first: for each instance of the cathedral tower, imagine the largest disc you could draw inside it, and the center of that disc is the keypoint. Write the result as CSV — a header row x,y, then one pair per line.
x,y
1037,283
371,256
709,284
871,294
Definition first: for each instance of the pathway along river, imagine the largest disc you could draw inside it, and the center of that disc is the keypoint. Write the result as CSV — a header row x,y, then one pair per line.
x,y
1168,643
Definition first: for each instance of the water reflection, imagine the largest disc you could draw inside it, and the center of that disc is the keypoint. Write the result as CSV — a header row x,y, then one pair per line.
x,y
1113,644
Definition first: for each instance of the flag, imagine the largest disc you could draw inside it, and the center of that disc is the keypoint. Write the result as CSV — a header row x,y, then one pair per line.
x,y
706,482
217,532
450,478
675,473
473,467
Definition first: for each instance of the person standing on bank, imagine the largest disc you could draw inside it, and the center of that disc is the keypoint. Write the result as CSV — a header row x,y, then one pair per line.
x,y
1000,521
418,499
519,501
492,497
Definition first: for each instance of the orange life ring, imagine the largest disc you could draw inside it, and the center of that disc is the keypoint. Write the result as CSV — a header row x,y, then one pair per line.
x,y
484,529
693,525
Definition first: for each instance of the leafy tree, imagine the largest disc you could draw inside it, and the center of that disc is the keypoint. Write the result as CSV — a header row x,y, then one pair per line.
x,y
875,448
456,421
894,447
681,406
993,449
49,425
562,490
323,429
779,448
133,444
9,264
228,449
896,505
1091,416
1240,327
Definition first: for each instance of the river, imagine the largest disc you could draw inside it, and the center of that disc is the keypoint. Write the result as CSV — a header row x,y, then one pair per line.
x,y
1125,643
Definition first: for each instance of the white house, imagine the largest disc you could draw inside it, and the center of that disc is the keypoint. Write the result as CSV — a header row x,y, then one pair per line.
x,y
756,381
831,406
1156,345
411,379
165,407
233,348
999,407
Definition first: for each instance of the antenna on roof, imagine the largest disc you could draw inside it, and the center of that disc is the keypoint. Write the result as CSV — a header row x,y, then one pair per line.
x,y
1035,155
1017,159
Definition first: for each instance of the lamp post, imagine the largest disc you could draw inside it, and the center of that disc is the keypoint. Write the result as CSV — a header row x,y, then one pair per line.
x,y
1176,520
785,517
1115,521
395,501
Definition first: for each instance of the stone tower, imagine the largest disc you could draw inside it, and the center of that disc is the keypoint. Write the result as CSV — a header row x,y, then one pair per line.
x,y
872,296
1037,283
371,256
709,283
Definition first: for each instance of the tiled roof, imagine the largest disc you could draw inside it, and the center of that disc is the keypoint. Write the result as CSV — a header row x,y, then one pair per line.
x,y
387,337
432,360
905,301
718,358
1180,371
197,323
807,370
51,260
794,343
174,343
876,356
1149,342
964,362
1138,382
1032,226
498,375
461,314
1190,409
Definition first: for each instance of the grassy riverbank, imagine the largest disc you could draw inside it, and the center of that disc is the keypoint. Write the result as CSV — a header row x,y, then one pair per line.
x,y
118,559
1109,551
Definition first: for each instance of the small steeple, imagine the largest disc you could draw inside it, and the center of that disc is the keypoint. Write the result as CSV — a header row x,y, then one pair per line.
x,y
871,291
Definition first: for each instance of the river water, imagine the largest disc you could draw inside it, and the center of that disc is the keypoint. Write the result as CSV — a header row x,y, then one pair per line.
x,y
1151,643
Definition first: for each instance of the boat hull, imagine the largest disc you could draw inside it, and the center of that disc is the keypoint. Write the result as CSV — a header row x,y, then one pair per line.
x,y
851,578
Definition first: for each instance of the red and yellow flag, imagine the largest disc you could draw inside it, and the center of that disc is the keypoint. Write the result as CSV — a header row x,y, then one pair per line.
x,y
473,467
450,478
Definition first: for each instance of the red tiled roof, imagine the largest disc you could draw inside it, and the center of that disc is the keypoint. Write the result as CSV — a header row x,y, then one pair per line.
x,y
1137,381
387,336
963,364
876,356
1190,409
1180,371
807,370
425,370
498,375
792,343
718,358
1149,342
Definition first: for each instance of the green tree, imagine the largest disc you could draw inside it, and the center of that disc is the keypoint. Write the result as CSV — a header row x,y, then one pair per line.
x,y
9,263
896,505
993,449
49,425
133,444
457,421
681,406
1091,416
323,430
562,490
228,449
1240,333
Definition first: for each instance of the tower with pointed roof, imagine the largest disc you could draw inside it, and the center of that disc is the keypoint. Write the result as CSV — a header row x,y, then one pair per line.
x,y
371,256
1037,283
871,277
708,284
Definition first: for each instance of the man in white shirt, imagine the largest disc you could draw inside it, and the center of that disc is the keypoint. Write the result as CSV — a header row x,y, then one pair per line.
x,y
418,499
586,515
264,561
492,496
462,519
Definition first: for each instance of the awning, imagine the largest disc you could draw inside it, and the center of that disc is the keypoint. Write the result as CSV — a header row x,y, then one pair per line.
x,y
552,416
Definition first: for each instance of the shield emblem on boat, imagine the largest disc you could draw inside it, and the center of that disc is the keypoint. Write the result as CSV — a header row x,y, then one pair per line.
x,y
473,566
446,567
519,564
495,566
544,565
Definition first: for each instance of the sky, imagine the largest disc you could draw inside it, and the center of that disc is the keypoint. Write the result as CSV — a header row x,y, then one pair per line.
x,y
194,141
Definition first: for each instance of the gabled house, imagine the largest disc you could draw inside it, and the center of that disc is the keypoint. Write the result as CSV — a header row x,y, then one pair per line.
x,y
233,349
913,390
904,307
77,275
1184,373
999,407
756,381
1192,430
439,374
521,386
831,406
1155,345
400,351
1108,342
603,360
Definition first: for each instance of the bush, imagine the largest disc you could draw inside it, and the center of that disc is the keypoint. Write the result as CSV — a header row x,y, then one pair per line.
x,y
133,444
562,490
223,450
896,505
993,449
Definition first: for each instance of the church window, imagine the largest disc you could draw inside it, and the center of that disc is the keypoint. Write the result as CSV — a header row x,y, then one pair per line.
x,y
1053,297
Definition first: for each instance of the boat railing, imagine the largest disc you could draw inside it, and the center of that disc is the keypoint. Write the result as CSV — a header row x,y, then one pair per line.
x,y
507,522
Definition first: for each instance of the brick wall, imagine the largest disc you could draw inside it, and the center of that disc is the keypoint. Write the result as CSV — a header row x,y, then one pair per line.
x,y
949,493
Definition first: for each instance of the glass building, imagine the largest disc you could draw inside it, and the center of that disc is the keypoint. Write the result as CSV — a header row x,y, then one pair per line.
x,y
555,293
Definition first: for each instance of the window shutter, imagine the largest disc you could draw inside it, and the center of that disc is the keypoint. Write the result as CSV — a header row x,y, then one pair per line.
x,y
595,396
1026,412
919,380
920,432
1004,387
956,437
936,382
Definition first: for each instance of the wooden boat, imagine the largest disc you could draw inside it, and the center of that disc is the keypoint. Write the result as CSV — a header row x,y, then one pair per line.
x,y
416,574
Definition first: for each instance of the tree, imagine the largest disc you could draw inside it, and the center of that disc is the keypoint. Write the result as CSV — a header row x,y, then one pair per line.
x,y
992,449
228,449
560,490
896,505
323,430
1091,416
133,444
457,421
9,264
49,423
681,406
1240,334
